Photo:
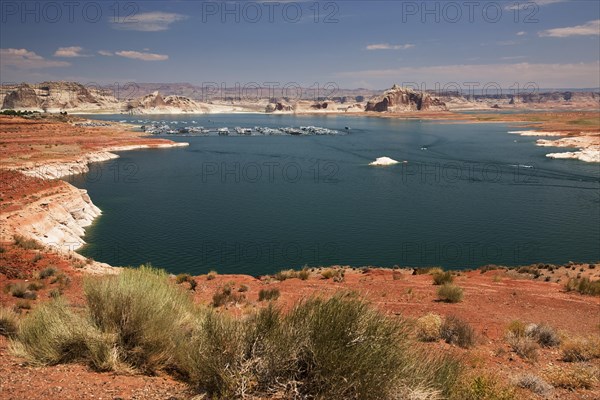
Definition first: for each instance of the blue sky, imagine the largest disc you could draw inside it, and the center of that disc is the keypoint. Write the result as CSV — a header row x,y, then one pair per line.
x,y
372,44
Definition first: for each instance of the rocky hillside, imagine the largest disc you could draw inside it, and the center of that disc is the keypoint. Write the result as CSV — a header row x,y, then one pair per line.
x,y
398,99
57,96
155,103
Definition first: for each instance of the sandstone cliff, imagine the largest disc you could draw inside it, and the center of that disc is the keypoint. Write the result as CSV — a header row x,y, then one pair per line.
x,y
58,96
399,99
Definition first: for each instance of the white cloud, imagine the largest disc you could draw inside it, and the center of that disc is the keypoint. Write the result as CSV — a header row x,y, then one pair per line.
x,y
387,46
138,55
69,52
522,33
148,22
526,5
505,74
105,53
23,58
591,28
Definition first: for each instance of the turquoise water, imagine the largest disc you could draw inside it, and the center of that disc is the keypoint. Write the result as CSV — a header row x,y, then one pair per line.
x,y
469,195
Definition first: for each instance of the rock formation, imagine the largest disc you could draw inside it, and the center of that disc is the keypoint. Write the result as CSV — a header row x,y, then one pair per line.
x,y
398,99
58,96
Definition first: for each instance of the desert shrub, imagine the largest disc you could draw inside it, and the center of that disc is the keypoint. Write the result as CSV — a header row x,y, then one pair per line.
x,y
482,387
23,304
53,334
450,293
226,295
63,280
580,349
35,286
336,273
428,327
243,288
18,289
29,295
533,383
456,331
572,378
211,358
268,294
27,244
9,322
54,293
211,275
524,347
304,274
442,278
287,274
543,334
583,286
181,278
143,310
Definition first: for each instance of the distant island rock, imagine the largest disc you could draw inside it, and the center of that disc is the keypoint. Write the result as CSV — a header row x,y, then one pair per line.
x,y
398,99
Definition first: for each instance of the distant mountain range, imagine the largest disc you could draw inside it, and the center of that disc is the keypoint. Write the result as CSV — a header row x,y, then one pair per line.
x,y
171,98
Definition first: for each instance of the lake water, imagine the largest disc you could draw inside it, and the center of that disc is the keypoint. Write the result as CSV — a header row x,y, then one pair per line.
x,y
469,195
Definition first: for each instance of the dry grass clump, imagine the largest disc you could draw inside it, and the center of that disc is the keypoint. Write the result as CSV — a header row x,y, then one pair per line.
x,y
47,272
268,294
226,295
336,273
442,278
53,334
456,331
580,349
211,275
428,327
572,377
482,387
22,290
182,278
9,322
450,293
583,286
303,274
27,244
524,347
533,383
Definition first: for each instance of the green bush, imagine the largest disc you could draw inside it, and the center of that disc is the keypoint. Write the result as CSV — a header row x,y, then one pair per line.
x,y
53,334
143,310
442,278
450,293
47,272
